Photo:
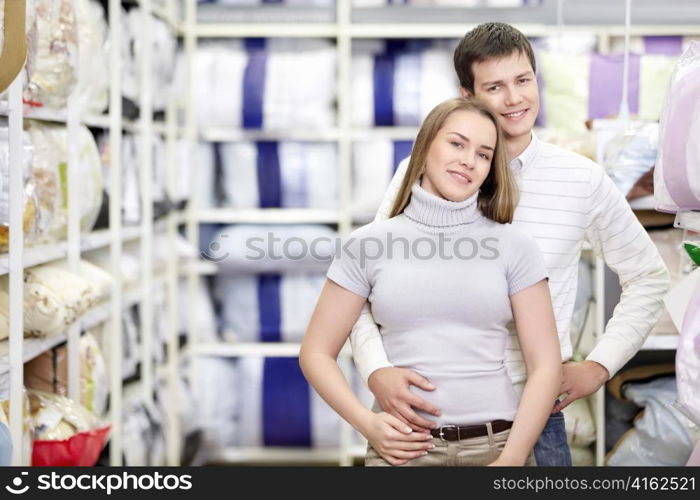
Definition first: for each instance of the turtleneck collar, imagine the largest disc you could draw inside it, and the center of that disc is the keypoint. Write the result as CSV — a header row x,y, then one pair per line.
x,y
430,210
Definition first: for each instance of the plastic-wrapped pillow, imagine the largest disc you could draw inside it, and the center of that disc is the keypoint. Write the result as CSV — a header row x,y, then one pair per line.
x,y
218,410
31,213
92,89
65,432
676,179
53,299
688,361
399,82
163,55
631,154
48,157
279,408
100,280
203,308
31,43
267,307
50,174
373,165
662,436
251,249
279,174
580,426
53,76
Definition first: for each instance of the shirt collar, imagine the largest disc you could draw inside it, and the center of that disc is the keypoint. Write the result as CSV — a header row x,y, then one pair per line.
x,y
525,159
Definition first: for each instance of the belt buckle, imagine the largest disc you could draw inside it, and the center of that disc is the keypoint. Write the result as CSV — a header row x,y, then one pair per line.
x,y
449,426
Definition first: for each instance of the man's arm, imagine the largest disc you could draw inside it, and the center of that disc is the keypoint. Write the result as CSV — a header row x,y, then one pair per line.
x,y
388,384
626,248
365,339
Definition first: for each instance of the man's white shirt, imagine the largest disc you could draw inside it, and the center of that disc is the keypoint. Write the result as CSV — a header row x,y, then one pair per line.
x,y
565,199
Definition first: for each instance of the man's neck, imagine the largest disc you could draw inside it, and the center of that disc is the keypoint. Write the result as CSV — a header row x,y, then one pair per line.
x,y
517,145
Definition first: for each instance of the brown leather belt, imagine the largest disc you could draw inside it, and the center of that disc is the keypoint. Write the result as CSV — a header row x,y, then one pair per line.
x,y
458,432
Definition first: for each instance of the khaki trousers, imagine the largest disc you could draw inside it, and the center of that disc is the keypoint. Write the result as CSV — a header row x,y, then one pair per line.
x,y
466,452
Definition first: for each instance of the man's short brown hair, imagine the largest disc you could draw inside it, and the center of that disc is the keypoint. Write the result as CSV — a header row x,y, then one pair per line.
x,y
488,41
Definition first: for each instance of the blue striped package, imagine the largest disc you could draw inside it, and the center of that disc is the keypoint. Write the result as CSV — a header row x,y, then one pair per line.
x,y
270,84
398,82
280,409
218,400
280,175
373,165
267,307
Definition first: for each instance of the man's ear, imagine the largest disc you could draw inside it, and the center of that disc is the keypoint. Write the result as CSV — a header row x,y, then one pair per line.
x,y
464,92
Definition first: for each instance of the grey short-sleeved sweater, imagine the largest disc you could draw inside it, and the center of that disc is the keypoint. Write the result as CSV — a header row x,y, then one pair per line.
x,y
439,278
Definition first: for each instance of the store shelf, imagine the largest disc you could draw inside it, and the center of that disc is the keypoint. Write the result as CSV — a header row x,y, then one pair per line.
x,y
43,254
688,220
231,135
34,346
280,30
235,350
269,216
538,19
388,133
283,14
94,121
661,343
200,267
265,349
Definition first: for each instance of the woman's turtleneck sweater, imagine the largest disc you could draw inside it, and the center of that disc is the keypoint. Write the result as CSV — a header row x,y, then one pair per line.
x,y
439,277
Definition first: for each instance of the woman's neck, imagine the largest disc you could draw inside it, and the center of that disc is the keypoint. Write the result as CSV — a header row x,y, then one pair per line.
x,y
431,210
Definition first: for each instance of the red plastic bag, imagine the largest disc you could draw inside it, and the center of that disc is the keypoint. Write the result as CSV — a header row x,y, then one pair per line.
x,y
83,449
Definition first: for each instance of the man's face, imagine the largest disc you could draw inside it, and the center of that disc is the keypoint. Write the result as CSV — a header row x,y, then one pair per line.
x,y
509,88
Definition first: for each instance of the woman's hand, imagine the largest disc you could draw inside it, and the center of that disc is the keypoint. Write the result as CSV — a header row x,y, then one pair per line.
x,y
395,441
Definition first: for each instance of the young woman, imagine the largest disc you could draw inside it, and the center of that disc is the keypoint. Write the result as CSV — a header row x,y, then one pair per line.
x,y
444,275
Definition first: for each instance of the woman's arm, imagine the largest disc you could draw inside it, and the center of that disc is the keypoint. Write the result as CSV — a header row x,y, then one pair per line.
x,y
539,343
336,311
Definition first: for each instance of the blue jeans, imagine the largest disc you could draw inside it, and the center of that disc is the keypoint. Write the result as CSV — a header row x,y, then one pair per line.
x,y
552,449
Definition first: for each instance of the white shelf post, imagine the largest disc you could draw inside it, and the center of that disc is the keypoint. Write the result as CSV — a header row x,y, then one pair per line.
x,y
16,248
115,224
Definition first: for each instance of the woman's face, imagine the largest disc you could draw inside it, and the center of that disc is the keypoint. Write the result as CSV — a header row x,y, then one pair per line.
x,y
459,158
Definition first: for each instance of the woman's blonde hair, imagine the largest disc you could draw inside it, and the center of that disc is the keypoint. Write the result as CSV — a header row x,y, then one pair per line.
x,y
498,195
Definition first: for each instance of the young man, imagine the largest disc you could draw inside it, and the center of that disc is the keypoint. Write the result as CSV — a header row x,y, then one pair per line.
x,y
564,200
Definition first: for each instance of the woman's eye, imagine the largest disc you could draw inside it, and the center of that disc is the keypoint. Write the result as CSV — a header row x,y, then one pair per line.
x,y
484,156
456,144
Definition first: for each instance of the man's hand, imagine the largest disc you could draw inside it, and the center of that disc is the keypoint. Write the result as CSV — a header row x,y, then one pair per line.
x,y
580,379
391,388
